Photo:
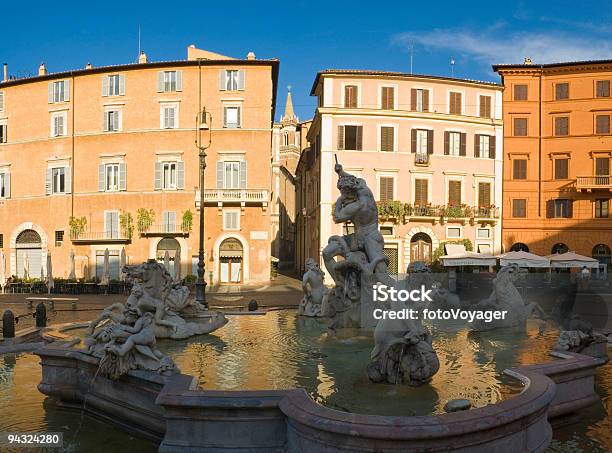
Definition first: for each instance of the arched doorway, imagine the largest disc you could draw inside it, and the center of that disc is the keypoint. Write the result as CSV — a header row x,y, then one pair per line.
x,y
173,248
28,248
420,248
519,247
559,248
602,253
230,261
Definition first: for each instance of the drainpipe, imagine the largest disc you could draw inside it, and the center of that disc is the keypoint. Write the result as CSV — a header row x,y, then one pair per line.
x,y
540,142
72,163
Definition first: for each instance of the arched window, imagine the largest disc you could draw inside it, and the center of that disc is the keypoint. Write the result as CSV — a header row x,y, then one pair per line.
x,y
519,247
286,139
559,248
602,253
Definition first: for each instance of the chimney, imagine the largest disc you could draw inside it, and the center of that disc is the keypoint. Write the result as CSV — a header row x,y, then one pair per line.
x,y
527,61
251,56
5,73
142,58
88,66
42,70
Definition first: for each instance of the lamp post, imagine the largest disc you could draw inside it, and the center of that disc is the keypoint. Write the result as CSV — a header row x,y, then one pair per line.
x,y
203,122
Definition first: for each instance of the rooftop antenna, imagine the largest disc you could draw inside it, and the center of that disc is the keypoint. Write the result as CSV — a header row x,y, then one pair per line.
x,y
452,67
411,50
139,49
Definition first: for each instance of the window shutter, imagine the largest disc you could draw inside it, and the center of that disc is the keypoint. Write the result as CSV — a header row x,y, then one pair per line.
x,y
241,77
121,84
359,138
426,100
179,80
243,174
7,187
172,220
1,101
66,90
67,180
239,117
386,138
158,176
48,181
220,171
180,175
477,144
570,209
101,178
105,120
550,209
222,79
105,85
430,137
50,97
420,192
413,99
224,116
484,194
462,144
446,143
340,137
413,140
492,146
160,81
454,193
386,189
122,176
118,119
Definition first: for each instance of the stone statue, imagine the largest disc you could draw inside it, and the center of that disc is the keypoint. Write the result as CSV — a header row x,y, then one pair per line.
x,y
505,297
579,337
314,290
123,336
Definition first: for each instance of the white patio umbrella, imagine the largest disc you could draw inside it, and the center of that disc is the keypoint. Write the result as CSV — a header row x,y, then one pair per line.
x,y
167,260
105,279
572,260
468,259
50,281
523,259
2,270
72,274
26,266
122,263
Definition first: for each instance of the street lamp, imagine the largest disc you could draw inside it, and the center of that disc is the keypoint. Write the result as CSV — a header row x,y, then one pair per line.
x,y
203,123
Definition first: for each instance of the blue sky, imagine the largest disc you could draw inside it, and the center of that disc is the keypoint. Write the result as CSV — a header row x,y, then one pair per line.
x,y
308,36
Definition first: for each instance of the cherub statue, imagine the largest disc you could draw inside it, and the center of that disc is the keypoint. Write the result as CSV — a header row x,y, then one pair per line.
x,y
314,290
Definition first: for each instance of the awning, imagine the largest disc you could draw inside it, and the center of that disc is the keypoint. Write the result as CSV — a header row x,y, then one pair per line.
x,y
523,259
230,253
484,248
572,260
454,249
468,259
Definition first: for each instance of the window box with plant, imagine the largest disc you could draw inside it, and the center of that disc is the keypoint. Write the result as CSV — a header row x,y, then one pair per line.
x,y
391,210
144,219
78,226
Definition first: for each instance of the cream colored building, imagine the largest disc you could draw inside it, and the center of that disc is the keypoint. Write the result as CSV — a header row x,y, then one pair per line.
x,y
430,148
101,145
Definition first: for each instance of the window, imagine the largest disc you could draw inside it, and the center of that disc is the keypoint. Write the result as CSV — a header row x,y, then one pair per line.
x,y
453,147
231,175
231,116
559,248
519,208
385,188
602,166
231,220
386,230
231,80
112,120
387,134
350,96
1,241
169,81
561,91
561,168
3,132
454,107
1,101
602,253
422,142
112,177
560,208
603,89
58,180
453,232
454,193
58,124
5,185
483,146
420,192
519,247
602,206
169,175
59,91
519,169
483,233
419,100
111,224
484,194
520,92
602,124
520,127
169,116
169,221
387,98
350,137
59,238
561,125
485,106
113,85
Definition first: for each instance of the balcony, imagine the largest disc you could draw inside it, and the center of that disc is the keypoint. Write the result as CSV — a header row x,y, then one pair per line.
x,y
99,237
233,196
588,183
421,159
486,215
167,229
426,213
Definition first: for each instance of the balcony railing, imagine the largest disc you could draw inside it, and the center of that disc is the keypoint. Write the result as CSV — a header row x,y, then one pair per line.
x,y
167,229
486,213
233,196
112,236
421,159
423,211
402,212
594,182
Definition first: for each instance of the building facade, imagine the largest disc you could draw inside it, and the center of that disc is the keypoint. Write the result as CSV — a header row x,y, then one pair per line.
x,y
557,152
104,158
430,148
